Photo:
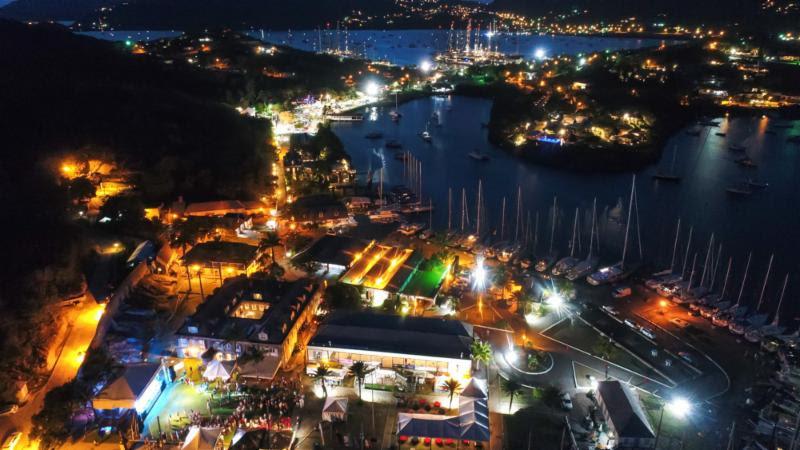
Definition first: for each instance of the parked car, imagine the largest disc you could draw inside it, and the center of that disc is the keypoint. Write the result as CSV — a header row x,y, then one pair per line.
x,y
631,324
621,292
610,310
679,322
647,332
566,402
686,357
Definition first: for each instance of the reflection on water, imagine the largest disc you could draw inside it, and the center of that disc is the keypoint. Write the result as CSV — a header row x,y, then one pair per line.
x,y
410,47
764,222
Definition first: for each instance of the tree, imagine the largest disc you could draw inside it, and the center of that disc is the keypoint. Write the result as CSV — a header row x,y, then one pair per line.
x,y
481,352
270,241
451,386
343,296
51,425
123,208
511,388
534,360
360,370
80,189
501,277
551,395
320,375
252,354
605,349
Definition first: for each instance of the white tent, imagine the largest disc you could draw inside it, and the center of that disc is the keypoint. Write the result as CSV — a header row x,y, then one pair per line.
x,y
335,409
475,389
217,369
473,418
201,438
263,370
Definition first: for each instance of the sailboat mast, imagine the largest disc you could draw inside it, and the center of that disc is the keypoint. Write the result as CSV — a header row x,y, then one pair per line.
x,y
536,233
744,280
675,246
574,233
686,254
705,263
628,223
776,320
727,274
716,268
691,276
764,286
449,208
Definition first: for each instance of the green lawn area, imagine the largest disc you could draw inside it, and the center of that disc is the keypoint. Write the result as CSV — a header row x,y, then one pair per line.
x,y
584,337
425,281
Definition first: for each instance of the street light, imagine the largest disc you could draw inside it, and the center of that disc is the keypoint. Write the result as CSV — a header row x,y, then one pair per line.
x,y
425,66
540,53
372,89
679,407
479,275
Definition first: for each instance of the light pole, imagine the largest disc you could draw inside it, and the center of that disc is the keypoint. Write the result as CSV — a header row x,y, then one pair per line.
x,y
679,407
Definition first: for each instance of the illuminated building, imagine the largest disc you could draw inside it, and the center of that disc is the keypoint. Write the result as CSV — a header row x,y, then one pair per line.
x,y
137,389
251,313
426,346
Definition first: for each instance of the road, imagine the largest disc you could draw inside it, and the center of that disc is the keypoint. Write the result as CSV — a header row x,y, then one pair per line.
x,y
83,325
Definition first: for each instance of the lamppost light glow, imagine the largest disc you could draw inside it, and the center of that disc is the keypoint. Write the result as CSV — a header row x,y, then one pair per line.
x,y
372,89
479,275
539,53
679,407
425,66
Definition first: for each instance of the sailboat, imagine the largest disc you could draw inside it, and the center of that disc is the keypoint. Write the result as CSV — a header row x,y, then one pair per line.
x,y
616,272
543,264
426,135
395,114
745,161
756,334
741,325
671,175
740,189
477,155
588,265
565,264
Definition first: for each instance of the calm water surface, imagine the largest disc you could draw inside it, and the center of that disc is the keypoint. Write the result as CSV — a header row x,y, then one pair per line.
x,y
763,223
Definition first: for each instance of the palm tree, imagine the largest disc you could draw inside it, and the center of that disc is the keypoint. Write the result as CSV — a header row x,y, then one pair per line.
x,y
360,370
481,353
270,241
501,277
451,386
320,375
511,388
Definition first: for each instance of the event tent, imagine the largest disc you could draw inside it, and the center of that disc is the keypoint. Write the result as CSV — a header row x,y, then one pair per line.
x,y
217,369
201,438
335,409
124,391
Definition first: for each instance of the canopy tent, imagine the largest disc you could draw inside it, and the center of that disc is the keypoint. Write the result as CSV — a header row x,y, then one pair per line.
x,y
217,369
473,418
475,389
335,409
428,425
201,438
263,370
124,391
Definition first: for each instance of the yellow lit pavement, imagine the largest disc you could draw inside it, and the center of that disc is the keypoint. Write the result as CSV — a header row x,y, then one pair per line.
x,y
83,325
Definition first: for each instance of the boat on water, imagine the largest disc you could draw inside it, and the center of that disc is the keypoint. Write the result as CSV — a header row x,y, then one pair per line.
x,y
414,208
564,265
393,144
582,269
606,275
746,162
708,123
374,135
737,148
739,189
395,116
757,184
545,263
477,155
721,134
410,229
426,136
669,175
